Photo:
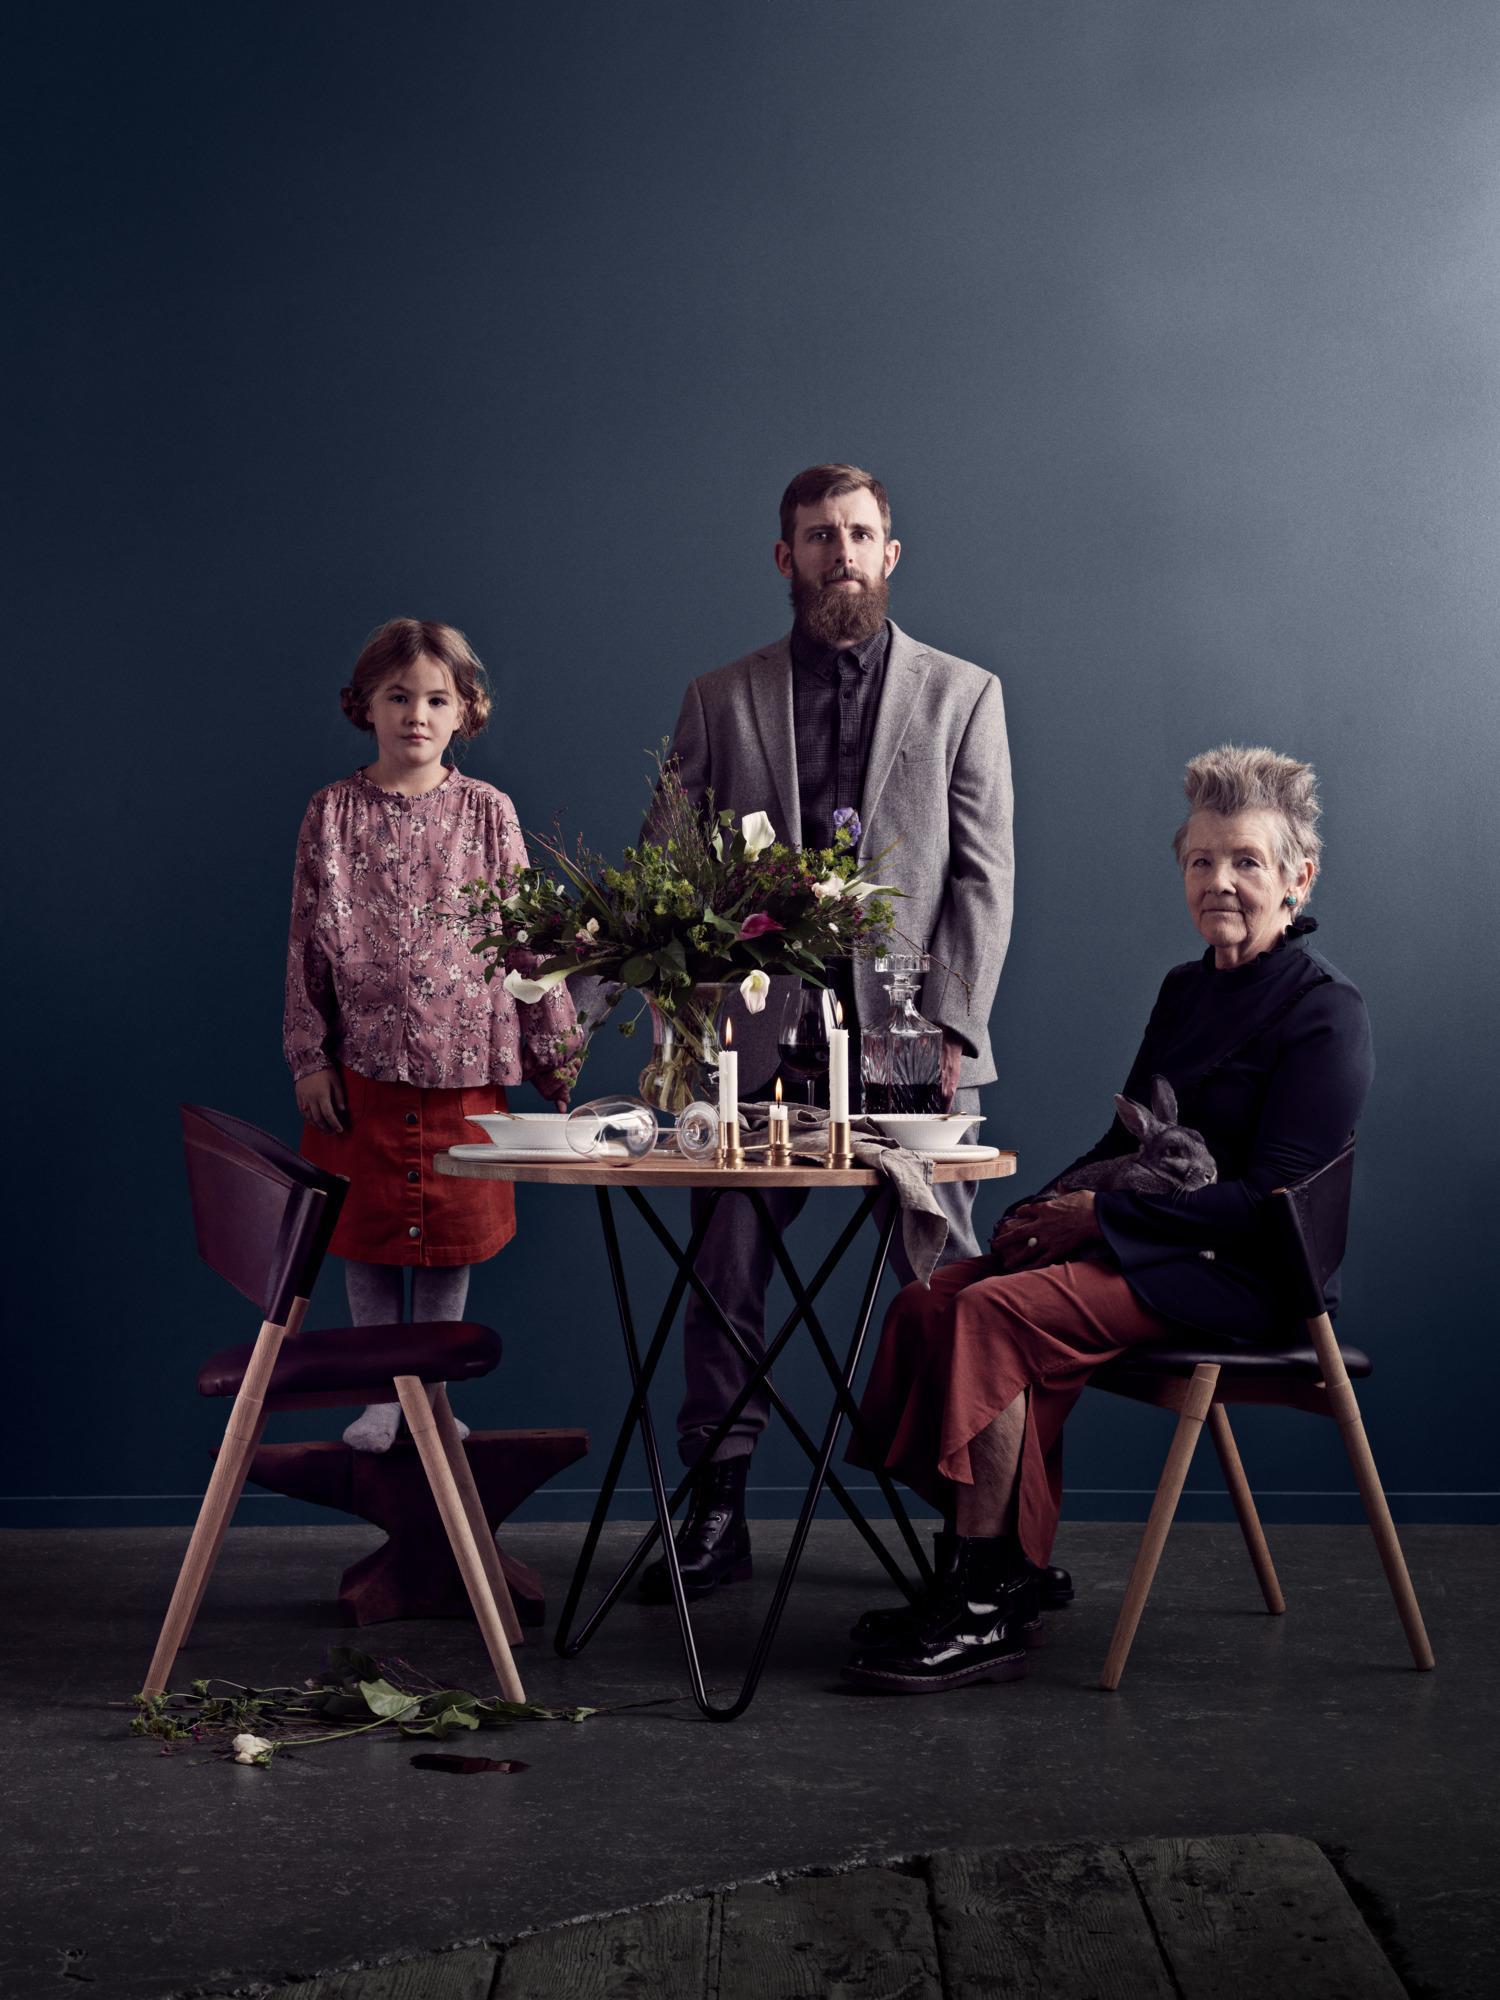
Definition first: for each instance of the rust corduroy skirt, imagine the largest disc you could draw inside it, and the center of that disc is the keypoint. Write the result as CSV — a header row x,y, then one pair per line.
x,y
956,1354
398,1210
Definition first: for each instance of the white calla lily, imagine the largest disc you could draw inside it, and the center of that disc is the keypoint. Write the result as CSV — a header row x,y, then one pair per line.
x,y
758,832
859,890
753,990
529,991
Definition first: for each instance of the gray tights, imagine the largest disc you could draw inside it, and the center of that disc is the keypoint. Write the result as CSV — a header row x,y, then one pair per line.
x,y
376,1298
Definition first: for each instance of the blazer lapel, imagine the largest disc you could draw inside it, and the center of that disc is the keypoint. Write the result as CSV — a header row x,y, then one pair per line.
x,y
771,704
905,671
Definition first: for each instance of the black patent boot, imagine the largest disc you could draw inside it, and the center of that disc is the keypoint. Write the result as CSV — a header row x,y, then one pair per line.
x,y
713,1542
975,1628
894,1624
900,1621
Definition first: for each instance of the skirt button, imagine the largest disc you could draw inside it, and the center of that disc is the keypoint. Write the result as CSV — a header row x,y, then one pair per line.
x,y
414,1231
412,1174
411,1117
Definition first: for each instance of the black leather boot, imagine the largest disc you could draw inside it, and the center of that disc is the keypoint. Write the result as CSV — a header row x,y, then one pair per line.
x,y
974,1629
713,1542
895,1623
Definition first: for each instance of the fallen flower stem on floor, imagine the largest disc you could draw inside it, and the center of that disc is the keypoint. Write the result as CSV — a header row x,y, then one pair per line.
x,y
354,1689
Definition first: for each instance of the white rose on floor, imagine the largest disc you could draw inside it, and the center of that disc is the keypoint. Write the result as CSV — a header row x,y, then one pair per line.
x,y
831,885
529,991
251,1749
758,832
753,990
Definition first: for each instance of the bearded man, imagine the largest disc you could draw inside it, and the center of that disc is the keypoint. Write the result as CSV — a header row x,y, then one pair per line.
x,y
846,711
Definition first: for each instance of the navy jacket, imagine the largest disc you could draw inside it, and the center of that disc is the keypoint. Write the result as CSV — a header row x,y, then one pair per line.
x,y
1271,1062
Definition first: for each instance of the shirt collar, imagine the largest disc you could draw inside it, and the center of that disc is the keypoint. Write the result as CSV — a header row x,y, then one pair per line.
x,y
810,658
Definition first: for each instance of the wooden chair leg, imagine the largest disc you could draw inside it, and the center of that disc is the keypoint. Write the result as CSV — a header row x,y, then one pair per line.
x,y
1344,1408
247,1420
479,1527
422,1424
1244,1507
1195,1407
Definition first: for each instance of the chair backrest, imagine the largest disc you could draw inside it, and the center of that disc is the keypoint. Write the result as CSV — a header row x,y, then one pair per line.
x,y
1312,1217
263,1215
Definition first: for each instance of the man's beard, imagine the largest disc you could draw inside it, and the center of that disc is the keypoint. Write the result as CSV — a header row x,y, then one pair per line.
x,y
837,617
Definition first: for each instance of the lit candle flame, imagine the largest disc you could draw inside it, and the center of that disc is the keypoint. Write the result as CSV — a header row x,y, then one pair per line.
x,y
728,1033
778,1090
838,1013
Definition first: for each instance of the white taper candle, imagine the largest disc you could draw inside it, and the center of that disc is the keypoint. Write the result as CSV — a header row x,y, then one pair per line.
x,y
838,1068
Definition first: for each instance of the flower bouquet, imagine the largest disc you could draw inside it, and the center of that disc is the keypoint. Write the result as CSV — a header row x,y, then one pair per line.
x,y
703,906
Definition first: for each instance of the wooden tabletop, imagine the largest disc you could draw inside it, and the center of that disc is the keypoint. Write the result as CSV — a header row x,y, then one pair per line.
x,y
667,1170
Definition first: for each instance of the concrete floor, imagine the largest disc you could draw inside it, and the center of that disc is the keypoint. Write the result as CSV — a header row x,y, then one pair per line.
x,y
142,1875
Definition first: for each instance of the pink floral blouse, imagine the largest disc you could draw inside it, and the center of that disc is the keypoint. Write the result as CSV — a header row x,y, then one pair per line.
x,y
379,972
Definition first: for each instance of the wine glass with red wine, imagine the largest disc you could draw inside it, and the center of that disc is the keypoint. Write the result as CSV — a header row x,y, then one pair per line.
x,y
802,1043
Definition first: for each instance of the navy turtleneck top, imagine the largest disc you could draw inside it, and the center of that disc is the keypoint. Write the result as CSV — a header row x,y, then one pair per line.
x,y
1271,1062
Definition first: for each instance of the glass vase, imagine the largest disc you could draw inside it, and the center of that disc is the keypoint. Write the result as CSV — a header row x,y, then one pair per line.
x,y
684,1063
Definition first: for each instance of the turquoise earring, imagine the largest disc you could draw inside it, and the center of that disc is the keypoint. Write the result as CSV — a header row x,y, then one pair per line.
x,y
1290,901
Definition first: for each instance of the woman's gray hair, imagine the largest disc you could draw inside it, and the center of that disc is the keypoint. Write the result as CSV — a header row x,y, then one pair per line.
x,y
1234,780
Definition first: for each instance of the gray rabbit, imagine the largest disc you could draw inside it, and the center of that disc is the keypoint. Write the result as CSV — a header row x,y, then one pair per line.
x,y
1169,1159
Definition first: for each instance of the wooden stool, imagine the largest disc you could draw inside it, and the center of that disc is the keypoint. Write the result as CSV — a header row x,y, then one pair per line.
x,y
413,1574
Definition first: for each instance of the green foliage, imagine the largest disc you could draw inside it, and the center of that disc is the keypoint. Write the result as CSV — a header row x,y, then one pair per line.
x,y
673,914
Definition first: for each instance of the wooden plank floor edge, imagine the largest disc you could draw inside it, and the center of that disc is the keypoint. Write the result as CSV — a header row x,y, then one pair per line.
x,y
630,1952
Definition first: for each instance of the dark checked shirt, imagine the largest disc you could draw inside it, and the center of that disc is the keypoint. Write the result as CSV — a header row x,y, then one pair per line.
x,y
835,696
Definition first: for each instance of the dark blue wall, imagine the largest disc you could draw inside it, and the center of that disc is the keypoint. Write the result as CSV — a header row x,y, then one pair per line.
x,y
1172,331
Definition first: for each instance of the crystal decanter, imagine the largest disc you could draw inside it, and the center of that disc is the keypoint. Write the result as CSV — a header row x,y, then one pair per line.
x,y
901,1062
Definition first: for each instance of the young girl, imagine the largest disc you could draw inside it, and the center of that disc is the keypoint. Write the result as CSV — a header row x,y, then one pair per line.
x,y
392,1034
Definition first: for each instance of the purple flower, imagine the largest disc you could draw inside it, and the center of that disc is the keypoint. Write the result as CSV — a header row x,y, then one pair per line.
x,y
848,818
758,924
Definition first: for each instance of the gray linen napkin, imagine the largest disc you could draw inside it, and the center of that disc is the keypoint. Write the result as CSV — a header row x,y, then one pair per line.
x,y
924,1226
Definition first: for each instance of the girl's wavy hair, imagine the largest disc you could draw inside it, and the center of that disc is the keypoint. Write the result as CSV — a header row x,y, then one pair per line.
x,y
1234,780
398,644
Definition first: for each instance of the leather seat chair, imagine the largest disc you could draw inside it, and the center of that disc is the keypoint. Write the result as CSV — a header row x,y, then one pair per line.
x,y
1316,1374
264,1218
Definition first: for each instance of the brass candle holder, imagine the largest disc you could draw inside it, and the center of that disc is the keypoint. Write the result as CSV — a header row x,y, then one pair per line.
x,y
778,1151
840,1143
731,1150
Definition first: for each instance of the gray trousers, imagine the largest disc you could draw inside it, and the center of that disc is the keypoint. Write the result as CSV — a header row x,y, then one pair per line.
x,y
736,1263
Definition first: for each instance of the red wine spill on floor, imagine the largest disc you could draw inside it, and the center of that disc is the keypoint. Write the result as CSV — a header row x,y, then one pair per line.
x,y
464,1767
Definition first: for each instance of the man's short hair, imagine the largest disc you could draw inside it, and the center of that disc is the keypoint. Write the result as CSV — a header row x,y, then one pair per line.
x,y
819,482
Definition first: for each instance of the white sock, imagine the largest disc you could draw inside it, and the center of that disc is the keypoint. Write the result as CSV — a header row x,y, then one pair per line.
x,y
375,1429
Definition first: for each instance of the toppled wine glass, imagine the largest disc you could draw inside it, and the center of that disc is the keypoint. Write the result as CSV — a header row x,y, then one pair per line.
x,y
612,1128
698,1131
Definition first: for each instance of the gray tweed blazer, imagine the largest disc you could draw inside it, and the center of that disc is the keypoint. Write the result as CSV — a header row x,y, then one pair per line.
x,y
937,793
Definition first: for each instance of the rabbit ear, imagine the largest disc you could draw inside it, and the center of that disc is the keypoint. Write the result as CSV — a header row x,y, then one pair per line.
x,y
1136,1118
1163,1100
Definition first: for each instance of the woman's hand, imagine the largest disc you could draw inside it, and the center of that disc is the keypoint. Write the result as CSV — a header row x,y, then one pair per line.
x,y
1046,1232
320,1099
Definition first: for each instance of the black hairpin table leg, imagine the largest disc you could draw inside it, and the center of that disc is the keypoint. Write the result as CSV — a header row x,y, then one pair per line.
x,y
638,1418
642,1375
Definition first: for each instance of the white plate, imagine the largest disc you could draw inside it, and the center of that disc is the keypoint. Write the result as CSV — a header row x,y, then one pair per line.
x,y
956,1152
567,1159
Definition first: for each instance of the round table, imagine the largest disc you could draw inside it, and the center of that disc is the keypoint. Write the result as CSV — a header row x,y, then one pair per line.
x,y
665,1173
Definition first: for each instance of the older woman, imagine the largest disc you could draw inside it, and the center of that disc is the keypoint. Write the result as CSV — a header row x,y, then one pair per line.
x,y
1267,1046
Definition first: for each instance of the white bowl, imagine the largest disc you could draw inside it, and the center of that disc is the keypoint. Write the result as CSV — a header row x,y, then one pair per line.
x,y
526,1131
926,1132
